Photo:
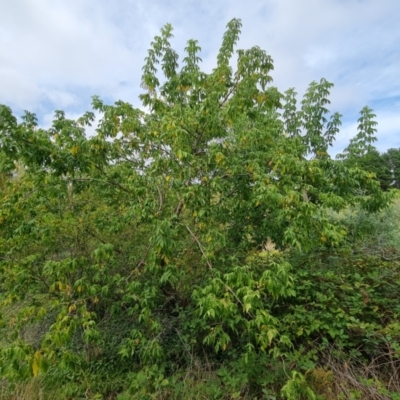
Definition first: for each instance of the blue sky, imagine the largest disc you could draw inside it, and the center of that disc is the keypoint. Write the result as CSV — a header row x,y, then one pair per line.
x,y
56,54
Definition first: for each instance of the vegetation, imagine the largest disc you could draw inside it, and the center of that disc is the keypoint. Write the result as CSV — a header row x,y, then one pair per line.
x,y
385,166
208,247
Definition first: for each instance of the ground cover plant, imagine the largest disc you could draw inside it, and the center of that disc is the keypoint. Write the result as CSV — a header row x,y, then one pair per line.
x,y
205,247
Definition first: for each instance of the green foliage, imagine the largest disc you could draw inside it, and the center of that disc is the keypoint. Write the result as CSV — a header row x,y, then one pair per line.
x,y
297,388
361,144
198,229
373,234
392,161
361,153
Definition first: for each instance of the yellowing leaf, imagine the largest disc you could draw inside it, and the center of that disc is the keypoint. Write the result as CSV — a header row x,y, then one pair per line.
x,y
219,157
71,308
74,150
247,307
35,368
37,358
271,334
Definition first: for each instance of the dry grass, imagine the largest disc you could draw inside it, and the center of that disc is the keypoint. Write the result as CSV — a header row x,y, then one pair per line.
x,y
31,390
354,379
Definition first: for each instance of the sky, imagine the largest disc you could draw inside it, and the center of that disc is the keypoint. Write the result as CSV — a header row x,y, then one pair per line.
x,y
56,54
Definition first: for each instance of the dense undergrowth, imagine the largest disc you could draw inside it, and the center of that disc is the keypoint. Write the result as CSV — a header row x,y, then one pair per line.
x,y
341,329
207,248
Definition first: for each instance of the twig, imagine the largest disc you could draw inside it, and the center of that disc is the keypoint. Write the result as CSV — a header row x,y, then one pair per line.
x,y
160,199
200,247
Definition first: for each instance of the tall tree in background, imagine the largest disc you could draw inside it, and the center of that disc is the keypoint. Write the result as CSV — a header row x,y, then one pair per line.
x,y
392,161
362,153
379,164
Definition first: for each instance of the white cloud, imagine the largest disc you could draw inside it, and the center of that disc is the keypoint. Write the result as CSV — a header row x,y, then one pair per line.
x,y
388,131
61,99
319,57
17,89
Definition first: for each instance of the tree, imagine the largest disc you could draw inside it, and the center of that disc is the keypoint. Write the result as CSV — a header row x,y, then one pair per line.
x,y
171,223
392,161
363,154
378,163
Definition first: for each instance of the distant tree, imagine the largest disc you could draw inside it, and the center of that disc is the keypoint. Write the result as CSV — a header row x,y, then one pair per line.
x,y
392,161
363,154
378,163
385,166
362,143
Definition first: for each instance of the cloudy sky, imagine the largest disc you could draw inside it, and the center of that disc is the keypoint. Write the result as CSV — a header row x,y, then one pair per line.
x,y
56,54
